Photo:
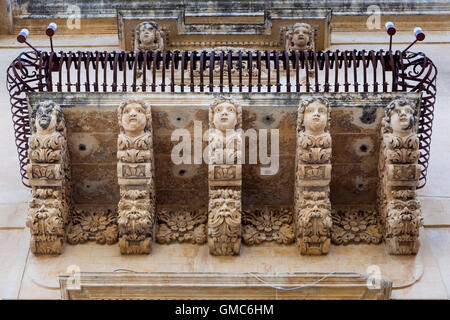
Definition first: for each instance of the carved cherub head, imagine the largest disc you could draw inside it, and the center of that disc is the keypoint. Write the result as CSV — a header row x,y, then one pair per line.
x,y
148,37
225,113
300,36
314,116
135,117
47,117
400,117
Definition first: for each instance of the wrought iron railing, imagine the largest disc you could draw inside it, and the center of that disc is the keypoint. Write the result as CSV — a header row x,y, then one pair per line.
x,y
250,71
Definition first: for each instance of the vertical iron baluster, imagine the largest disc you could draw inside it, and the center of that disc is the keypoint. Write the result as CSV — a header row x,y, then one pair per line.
x,y
155,65
211,71
374,66
69,62
268,70
240,70
297,71
306,55
259,66
221,71
364,64
355,71
115,66
230,80
277,69
336,69
87,62
163,72
172,71
202,66
183,68
383,68
316,72
327,72
250,70
346,84
60,69
192,64
288,75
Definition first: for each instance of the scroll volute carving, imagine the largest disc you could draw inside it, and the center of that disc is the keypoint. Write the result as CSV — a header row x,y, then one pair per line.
x,y
312,213
224,209
148,36
399,177
49,176
135,174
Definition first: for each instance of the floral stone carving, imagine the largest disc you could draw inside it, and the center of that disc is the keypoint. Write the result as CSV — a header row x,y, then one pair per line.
x,y
182,225
135,177
267,224
49,173
399,176
99,224
312,207
355,226
225,180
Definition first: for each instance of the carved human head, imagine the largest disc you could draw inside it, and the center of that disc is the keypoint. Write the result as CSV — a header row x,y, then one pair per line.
x,y
314,116
148,36
300,36
400,117
225,113
225,203
47,117
134,117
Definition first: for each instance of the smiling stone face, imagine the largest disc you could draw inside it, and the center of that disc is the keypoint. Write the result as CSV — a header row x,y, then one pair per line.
x,y
402,119
315,118
225,116
133,119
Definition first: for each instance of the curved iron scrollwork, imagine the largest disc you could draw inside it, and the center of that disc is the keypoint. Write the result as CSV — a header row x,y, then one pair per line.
x,y
418,74
23,76
32,71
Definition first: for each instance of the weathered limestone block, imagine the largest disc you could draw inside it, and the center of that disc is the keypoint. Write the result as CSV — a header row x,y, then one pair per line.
x,y
49,176
312,207
399,176
225,177
135,176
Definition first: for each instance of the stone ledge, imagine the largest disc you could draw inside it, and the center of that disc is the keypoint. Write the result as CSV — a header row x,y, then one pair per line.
x,y
205,285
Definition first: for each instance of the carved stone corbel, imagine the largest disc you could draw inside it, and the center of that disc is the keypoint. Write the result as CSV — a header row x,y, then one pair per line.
x,y
312,207
225,177
49,176
399,176
135,170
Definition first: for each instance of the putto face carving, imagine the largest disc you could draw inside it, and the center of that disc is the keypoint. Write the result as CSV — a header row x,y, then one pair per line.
x,y
47,116
134,117
300,36
148,36
314,116
225,114
400,117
